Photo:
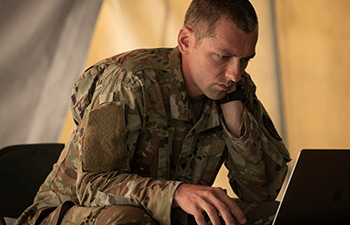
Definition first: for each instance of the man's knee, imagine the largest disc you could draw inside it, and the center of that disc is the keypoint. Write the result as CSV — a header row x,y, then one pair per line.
x,y
116,214
262,213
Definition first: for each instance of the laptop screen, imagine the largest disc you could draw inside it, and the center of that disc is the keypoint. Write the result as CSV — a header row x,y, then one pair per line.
x,y
318,191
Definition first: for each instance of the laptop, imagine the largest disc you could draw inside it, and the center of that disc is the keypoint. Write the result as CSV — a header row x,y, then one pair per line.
x,y
318,190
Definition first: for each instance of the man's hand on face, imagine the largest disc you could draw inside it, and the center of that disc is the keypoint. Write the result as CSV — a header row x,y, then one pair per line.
x,y
233,88
196,199
233,113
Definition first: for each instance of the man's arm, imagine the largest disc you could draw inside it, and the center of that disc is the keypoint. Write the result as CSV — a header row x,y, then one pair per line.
x,y
257,156
233,112
109,119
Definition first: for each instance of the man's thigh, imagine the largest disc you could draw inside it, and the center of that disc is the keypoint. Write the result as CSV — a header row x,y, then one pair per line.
x,y
260,213
116,214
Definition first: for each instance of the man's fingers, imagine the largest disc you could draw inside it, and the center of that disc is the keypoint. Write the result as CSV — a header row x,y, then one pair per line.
x,y
218,203
234,211
238,214
228,208
213,215
200,219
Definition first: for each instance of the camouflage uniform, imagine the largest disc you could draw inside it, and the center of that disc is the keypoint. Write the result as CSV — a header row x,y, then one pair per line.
x,y
137,138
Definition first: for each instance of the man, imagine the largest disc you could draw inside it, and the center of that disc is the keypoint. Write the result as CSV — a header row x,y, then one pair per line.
x,y
154,127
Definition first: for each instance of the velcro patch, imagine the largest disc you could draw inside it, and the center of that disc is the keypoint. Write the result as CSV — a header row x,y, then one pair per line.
x,y
104,147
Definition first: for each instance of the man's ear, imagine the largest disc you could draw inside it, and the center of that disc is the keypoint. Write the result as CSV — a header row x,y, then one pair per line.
x,y
184,39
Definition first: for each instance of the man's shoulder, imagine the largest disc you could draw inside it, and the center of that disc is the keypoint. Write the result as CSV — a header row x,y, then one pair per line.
x,y
140,59
247,83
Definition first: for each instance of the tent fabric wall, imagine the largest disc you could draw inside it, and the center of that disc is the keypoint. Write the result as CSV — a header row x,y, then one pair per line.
x,y
43,49
315,51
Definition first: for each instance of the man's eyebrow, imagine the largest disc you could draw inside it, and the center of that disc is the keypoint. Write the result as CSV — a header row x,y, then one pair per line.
x,y
227,53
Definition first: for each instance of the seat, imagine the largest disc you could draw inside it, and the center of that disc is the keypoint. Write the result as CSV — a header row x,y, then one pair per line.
x,y
23,168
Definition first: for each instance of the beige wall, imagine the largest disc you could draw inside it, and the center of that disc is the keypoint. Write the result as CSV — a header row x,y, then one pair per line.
x,y
314,52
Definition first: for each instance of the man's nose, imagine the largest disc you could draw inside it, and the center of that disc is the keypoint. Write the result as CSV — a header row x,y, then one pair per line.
x,y
234,71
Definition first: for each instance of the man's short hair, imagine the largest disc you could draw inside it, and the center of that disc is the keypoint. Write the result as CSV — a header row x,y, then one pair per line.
x,y
203,16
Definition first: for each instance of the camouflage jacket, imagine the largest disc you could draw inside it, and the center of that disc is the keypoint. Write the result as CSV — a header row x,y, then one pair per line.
x,y
137,138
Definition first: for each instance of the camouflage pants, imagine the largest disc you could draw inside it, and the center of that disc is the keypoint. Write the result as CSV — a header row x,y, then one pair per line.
x,y
256,213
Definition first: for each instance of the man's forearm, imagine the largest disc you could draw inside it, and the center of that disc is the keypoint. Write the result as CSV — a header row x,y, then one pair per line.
x,y
232,112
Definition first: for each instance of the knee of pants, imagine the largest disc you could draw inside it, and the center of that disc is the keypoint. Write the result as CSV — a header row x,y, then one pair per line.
x,y
262,212
109,215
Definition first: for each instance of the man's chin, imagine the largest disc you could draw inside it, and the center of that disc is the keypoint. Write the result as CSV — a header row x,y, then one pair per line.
x,y
216,96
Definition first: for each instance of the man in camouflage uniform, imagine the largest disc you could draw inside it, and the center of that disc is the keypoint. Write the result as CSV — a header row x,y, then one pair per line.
x,y
153,128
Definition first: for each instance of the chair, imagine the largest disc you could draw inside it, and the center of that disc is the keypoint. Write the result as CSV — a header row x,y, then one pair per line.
x,y
23,168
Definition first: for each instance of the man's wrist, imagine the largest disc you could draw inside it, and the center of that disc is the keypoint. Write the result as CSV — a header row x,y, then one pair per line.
x,y
238,94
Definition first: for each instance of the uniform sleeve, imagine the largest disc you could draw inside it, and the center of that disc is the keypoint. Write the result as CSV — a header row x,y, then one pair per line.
x,y
108,110
257,160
